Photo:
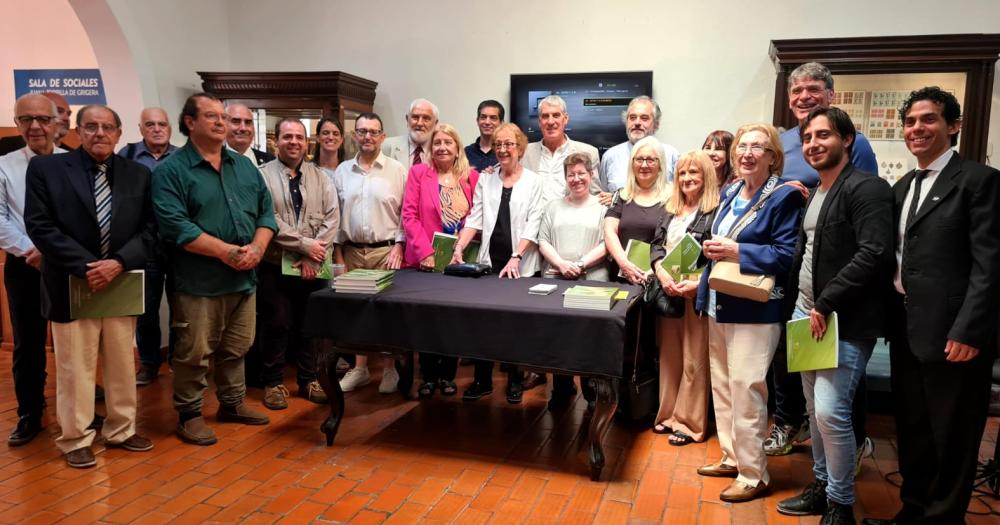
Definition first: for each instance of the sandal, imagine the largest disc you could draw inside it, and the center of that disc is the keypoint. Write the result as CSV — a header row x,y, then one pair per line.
x,y
448,388
662,428
679,439
426,389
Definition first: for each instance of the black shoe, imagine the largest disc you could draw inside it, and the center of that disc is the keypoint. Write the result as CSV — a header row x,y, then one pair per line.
x,y
98,393
514,394
812,501
477,390
426,389
26,430
837,514
96,423
146,375
533,379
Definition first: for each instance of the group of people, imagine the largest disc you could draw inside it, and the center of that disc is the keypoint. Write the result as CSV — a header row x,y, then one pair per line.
x,y
218,223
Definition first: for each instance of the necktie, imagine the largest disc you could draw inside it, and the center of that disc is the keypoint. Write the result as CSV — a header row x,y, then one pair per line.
x,y
416,156
102,201
918,179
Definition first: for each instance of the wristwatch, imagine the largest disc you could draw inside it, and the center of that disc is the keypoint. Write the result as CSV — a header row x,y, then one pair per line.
x,y
578,264
515,256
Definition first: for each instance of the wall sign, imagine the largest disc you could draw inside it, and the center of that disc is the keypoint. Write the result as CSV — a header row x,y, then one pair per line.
x,y
79,86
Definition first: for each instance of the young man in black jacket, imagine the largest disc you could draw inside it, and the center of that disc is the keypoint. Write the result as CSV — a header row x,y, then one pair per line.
x,y
843,258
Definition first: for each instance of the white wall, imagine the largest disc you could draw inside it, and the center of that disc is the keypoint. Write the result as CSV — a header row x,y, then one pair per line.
x,y
710,62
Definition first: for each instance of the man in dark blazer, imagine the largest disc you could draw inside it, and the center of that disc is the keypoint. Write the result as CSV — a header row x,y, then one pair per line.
x,y
944,309
90,214
240,134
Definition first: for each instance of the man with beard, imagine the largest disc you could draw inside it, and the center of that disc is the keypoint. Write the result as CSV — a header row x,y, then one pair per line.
x,y
843,256
546,157
489,116
642,119
240,134
415,146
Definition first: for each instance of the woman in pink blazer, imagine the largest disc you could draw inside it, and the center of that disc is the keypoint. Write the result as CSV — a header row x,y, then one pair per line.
x,y
438,197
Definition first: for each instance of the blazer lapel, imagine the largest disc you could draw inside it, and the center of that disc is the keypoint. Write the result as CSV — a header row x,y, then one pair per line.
x,y
943,185
79,179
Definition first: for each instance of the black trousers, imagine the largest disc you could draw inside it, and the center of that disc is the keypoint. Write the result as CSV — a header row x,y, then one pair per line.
x,y
483,373
941,411
435,368
281,306
23,285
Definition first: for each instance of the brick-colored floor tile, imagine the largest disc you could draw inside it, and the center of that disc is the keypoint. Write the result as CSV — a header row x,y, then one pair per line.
x,y
305,512
612,512
190,497
683,496
448,508
712,514
528,488
345,508
408,513
240,508
430,491
469,482
197,514
287,500
391,498
376,482
232,492
334,490
489,497
134,509
471,516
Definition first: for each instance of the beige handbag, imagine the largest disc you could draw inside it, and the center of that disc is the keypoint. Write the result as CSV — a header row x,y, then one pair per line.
x,y
726,278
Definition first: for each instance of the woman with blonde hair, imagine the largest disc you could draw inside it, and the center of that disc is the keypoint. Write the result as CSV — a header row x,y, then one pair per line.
x,y
683,337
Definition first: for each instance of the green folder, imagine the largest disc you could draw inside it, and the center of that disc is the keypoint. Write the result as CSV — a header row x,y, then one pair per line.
x,y
806,353
288,258
444,247
123,297
638,253
682,261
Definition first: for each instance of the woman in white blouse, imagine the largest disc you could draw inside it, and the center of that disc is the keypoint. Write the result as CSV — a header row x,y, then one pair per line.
x,y
507,209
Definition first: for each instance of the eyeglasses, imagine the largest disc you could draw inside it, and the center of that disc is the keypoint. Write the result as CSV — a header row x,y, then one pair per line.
x,y
236,121
361,132
91,128
505,145
756,149
26,120
575,175
642,161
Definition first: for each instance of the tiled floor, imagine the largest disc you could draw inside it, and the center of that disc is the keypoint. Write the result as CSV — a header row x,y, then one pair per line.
x,y
395,461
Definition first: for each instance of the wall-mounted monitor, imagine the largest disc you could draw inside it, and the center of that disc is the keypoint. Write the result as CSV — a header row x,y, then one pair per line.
x,y
594,101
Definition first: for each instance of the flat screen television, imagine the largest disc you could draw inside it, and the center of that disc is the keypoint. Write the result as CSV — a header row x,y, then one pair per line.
x,y
594,101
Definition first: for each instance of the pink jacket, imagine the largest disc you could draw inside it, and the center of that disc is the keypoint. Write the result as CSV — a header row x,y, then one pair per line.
x,y
421,213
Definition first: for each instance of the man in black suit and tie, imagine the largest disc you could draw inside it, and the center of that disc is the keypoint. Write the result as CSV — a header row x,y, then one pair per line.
x,y
947,288
240,134
90,214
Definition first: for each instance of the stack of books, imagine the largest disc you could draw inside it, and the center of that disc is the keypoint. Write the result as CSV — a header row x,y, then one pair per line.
x,y
363,281
590,297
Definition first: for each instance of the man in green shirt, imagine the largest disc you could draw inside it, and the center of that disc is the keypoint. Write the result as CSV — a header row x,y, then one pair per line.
x,y
215,215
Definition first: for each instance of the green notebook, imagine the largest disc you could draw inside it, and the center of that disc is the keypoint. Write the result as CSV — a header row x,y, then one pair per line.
x,y
638,253
444,247
806,353
288,258
123,297
682,261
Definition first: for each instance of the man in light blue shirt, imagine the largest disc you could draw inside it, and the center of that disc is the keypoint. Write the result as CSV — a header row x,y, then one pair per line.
x,y
642,119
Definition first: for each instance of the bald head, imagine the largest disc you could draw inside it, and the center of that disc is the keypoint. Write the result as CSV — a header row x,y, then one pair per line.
x,y
37,121
154,126
63,110
240,127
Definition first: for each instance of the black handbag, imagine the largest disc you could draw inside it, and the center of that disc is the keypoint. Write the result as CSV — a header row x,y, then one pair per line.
x,y
467,270
639,394
661,303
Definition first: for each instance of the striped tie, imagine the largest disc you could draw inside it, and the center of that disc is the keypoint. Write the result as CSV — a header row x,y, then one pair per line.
x,y
102,200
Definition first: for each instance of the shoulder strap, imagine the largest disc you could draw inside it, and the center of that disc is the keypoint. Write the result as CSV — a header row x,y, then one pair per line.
x,y
751,214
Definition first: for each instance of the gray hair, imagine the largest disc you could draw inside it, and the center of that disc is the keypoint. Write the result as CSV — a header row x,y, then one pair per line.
x,y
233,105
554,100
28,96
656,110
416,102
811,71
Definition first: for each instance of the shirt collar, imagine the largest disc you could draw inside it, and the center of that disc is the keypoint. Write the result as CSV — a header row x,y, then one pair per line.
x,y
194,158
140,148
379,161
413,146
940,162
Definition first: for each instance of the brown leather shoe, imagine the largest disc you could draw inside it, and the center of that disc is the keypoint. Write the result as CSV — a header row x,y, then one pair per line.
x,y
81,458
275,397
738,492
196,432
135,443
241,413
719,470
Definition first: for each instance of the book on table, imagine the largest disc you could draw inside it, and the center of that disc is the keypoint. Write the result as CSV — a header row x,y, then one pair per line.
x,y
124,296
542,289
590,297
682,262
805,353
637,252
444,247
289,258
362,280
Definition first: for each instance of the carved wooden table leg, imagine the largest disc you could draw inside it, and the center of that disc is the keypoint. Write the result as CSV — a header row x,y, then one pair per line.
x,y
607,400
326,373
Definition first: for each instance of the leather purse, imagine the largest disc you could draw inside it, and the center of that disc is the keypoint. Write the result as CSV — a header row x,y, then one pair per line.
x,y
727,278
661,303
467,270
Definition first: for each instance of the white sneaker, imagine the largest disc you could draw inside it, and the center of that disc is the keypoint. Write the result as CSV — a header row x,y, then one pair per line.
x,y
390,381
866,449
354,378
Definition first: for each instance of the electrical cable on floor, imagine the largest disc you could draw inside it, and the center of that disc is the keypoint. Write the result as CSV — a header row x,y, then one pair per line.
x,y
894,478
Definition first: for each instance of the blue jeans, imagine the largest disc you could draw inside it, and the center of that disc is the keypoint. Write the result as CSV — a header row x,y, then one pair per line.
x,y
829,397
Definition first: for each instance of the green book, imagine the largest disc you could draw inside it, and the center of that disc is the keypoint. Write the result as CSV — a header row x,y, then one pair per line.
x,y
288,258
682,261
805,353
444,247
123,297
365,276
638,253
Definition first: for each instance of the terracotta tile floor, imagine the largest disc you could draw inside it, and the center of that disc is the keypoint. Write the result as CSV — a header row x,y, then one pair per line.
x,y
394,462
